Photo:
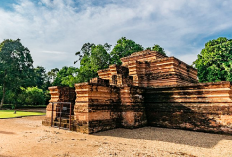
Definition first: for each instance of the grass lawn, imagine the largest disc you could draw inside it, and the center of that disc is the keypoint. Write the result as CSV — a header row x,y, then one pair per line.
x,y
10,114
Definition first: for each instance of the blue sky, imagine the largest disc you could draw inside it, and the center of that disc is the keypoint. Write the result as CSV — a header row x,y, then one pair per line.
x,y
54,30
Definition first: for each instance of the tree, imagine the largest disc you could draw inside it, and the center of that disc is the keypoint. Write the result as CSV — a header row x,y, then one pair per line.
x,y
159,49
11,97
92,58
52,74
34,96
85,52
67,76
214,63
16,66
40,76
100,57
123,48
95,57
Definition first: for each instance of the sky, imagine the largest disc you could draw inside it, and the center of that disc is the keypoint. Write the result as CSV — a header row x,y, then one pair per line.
x,y
54,30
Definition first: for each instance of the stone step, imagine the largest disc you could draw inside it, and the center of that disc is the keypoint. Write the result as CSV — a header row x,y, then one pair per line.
x,y
63,120
64,125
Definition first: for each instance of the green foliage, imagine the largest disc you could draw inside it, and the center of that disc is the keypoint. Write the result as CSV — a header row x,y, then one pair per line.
x,y
84,52
52,74
18,78
67,76
159,49
95,57
17,73
92,58
34,96
1,92
40,77
26,96
16,66
123,48
214,63
16,98
10,97
47,96
100,57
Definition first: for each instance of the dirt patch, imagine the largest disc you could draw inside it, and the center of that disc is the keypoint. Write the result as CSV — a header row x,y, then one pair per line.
x,y
26,137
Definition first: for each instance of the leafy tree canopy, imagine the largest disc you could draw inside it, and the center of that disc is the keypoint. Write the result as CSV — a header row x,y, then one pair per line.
x,y
123,48
52,74
16,66
214,63
95,57
27,96
67,76
40,77
159,49
33,96
92,58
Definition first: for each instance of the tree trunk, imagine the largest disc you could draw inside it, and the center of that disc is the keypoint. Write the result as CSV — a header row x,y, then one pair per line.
x,y
3,94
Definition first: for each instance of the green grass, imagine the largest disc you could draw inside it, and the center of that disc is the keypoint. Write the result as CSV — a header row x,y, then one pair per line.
x,y
10,114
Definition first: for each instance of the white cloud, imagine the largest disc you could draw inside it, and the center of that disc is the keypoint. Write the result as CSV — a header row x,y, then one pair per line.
x,y
54,52
188,58
49,27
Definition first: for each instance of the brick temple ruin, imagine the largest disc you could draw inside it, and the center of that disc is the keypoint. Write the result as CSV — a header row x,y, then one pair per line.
x,y
148,89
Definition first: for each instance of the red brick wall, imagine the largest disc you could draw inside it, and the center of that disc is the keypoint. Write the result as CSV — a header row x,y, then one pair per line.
x,y
202,107
101,107
96,107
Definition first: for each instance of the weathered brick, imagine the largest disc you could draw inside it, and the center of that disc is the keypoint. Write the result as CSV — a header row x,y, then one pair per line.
x,y
147,89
